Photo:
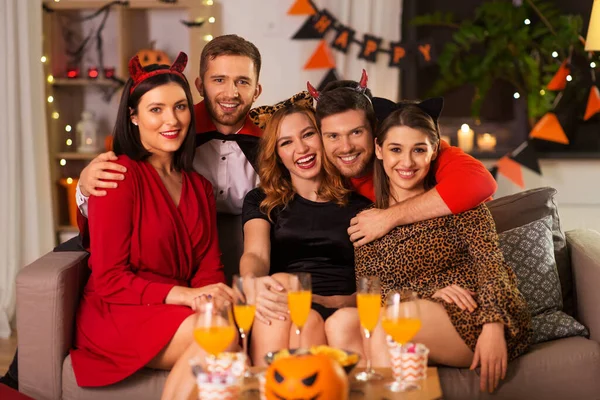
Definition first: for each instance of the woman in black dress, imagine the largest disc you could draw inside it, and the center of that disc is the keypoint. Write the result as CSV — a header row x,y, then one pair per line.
x,y
296,221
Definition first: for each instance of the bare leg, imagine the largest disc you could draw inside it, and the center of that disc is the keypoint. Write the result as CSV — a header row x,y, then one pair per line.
x,y
343,331
312,334
183,338
266,338
437,333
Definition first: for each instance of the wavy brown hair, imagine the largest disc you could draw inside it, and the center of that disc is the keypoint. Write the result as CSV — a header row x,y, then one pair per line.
x,y
275,179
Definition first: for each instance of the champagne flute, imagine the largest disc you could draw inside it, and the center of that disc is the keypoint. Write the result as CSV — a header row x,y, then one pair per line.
x,y
244,308
368,301
401,321
214,330
299,300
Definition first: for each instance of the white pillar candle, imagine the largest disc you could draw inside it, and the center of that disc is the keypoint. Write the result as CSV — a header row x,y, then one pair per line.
x,y
465,138
486,142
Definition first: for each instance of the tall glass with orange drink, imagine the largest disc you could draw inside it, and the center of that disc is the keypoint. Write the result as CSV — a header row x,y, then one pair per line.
x,y
299,299
401,320
214,330
368,302
244,307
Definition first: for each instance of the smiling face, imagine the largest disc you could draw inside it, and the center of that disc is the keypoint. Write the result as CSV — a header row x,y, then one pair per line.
x,y
163,118
348,142
229,87
299,147
407,154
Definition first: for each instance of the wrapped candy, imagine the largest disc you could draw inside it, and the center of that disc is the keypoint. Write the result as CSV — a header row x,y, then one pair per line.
x,y
409,360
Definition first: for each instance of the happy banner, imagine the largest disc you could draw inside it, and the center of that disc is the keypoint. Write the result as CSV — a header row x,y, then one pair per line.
x,y
320,22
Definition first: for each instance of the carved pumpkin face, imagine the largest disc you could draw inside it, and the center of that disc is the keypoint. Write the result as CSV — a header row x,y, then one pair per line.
x,y
149,56
306,377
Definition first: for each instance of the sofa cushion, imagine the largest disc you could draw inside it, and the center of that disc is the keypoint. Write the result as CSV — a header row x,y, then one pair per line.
x,y
529,251
146,384
522,208
556,370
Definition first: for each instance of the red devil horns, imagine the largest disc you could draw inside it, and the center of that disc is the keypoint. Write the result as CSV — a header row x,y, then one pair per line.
x,y
362,85
314,93
138,74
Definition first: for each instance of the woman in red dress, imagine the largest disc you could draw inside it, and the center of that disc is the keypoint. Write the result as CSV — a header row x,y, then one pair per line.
x,y
153,239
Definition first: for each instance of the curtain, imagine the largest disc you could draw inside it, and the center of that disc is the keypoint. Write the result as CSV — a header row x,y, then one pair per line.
x,y
381,18
25,206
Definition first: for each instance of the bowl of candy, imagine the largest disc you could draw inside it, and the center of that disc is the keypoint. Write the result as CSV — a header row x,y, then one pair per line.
x,y
346,359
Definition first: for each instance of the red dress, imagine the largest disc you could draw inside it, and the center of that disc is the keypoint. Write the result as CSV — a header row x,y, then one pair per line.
x,y
142,245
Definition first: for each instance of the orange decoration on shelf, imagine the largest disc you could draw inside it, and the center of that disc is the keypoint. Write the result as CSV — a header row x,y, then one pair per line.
x,y
549,128
153,56
593,104
72,203
306,377
108,143
511,170
559,81
301,7
321,58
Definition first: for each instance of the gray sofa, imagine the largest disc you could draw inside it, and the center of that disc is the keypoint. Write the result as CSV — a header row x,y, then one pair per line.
x,y
48,291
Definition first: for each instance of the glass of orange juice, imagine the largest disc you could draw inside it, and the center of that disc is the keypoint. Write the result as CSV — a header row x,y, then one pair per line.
x,y
401,321
299,299
244,308
214,330
368,301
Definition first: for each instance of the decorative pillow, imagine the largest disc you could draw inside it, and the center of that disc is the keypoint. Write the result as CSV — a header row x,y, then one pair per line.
x,y
529,250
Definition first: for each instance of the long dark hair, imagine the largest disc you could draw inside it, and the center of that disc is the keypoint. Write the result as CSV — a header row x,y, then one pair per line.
x,y
127,135
414,117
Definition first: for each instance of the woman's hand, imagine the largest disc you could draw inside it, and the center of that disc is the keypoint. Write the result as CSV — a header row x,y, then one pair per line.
x,y
491,353
187,296
463,298
271,300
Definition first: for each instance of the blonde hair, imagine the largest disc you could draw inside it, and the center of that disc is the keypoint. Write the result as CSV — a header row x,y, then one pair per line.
x,y
275,179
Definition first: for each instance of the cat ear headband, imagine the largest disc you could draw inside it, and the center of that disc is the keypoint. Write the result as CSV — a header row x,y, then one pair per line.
x,y
138,74
360,88
384,107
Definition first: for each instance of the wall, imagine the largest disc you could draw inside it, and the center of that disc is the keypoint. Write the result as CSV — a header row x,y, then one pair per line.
x,y
267,25
575,180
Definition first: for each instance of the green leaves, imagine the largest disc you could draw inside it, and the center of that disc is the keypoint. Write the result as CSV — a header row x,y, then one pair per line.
x,y
497,44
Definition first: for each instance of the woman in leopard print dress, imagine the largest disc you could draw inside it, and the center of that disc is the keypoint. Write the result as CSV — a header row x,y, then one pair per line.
x,y
472,312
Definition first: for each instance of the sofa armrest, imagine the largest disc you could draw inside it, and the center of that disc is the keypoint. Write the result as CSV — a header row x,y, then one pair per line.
x,y
584,246
48,292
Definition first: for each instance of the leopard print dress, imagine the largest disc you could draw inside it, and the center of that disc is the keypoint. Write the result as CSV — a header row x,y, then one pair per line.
x,y
453,250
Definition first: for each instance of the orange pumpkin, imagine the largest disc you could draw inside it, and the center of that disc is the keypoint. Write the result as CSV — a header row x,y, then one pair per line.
x,y
309,377
152,56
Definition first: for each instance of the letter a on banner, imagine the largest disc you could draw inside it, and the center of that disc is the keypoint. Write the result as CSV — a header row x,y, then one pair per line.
x,y
343,39
370,47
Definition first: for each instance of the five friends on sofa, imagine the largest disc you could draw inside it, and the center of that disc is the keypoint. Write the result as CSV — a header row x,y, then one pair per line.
x,y
313,150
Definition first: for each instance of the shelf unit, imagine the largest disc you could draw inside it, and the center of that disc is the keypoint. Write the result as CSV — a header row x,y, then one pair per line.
x,y
130,26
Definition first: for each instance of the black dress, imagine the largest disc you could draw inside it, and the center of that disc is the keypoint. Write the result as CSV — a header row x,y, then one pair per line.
x,y
308,236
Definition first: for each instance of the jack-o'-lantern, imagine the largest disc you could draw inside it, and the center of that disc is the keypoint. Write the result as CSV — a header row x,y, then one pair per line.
x,y
153,56
306,377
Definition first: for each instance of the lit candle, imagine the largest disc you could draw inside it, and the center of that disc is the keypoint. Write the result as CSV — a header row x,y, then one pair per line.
x,y
486,142
465,138
445,138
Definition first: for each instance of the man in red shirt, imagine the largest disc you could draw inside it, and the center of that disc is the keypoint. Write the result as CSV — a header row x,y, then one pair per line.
x,y
347,119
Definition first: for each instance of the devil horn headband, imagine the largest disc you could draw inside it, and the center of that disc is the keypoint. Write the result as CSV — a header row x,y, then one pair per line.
x,y
360,88
138,74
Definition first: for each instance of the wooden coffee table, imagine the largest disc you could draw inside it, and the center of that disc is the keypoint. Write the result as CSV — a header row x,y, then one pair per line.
x,y
375,390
